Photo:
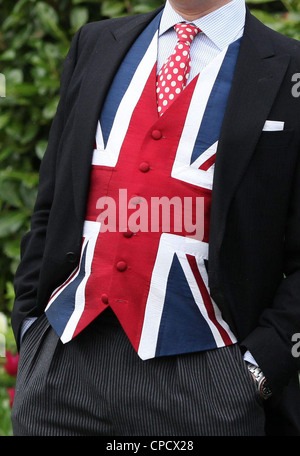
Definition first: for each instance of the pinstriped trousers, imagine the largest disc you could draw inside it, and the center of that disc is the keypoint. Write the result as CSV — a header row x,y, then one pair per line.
x,y
97,386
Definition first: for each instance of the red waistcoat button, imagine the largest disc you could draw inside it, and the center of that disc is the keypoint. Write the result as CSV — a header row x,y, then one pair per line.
x,y
156,134
104,298
144,167
128,234
121,266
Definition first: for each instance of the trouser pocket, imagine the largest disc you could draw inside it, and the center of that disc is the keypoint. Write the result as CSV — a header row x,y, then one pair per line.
x,y
244,373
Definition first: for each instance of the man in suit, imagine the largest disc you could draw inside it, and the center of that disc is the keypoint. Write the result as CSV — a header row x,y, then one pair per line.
x,y
130,331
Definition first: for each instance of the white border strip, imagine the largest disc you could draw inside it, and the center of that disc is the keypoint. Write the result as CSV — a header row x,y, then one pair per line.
x,y
109,155
182,169
90,233
217,312
169,245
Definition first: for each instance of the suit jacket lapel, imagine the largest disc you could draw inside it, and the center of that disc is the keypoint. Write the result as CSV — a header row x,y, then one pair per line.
x,y
108,54
258,76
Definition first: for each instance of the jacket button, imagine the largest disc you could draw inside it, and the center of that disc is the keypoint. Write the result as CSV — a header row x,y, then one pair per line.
x,y
71,257
156,134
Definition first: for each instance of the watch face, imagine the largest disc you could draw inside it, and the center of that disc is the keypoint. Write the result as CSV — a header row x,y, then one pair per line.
x,y
265,390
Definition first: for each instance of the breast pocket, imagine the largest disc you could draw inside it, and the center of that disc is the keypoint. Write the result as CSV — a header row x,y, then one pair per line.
x,y
275,139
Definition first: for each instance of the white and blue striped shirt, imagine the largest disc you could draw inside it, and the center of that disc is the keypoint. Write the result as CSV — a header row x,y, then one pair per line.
x,y
219,30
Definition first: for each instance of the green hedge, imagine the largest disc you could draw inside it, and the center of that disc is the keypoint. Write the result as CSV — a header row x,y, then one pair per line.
x,y
34,39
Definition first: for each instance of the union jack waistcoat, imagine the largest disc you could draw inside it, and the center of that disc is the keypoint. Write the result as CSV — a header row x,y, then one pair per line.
x,y
146,232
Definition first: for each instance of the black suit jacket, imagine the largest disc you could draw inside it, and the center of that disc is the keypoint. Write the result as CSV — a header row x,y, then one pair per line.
x,y
254,254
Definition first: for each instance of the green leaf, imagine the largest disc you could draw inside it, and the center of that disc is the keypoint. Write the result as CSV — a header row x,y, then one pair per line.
x,y
13,76
29,179
11,222
144,8
9,54
12,249
78,17
46,14
15,129
112,8
9,194
30,132
49,20
40,148
5,153
265,17
50,109
24,89
4,119
28,196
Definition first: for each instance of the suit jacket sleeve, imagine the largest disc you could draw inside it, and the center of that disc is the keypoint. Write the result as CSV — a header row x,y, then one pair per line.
x,y
33,243
272,341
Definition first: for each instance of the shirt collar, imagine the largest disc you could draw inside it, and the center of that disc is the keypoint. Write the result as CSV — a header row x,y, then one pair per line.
x,y
218,25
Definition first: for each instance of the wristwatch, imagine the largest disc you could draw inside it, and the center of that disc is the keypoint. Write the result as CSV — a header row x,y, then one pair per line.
x,y
260,380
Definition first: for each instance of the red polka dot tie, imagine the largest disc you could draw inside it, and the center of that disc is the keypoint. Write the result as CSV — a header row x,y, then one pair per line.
x,y
173,76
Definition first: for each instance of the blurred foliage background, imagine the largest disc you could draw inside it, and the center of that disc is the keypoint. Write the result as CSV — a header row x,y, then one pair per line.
x,y
34,40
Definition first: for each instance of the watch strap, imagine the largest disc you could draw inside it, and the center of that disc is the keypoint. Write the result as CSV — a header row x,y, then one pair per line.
x,y
260,380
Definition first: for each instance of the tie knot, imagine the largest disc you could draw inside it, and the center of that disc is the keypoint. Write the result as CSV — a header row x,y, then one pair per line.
x,y
186,32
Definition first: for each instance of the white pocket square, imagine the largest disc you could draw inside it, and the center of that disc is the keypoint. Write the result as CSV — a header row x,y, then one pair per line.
x,y
273,125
